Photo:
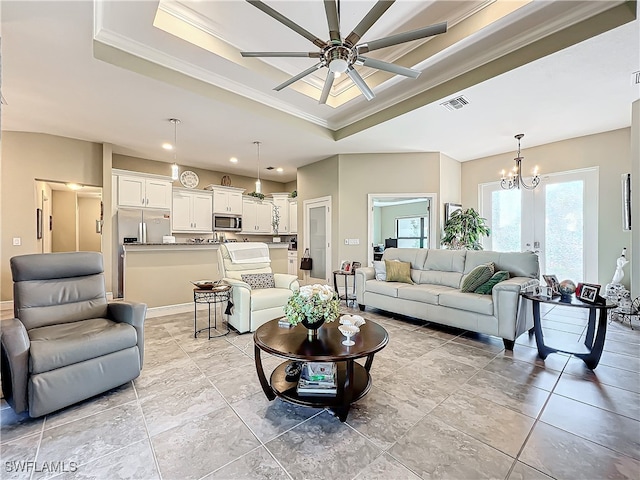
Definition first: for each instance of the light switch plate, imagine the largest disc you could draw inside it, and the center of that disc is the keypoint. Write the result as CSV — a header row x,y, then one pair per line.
x,y
17,241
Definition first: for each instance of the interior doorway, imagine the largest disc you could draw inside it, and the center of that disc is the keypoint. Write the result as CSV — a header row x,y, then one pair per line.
x,y
317,238
69,217
563,225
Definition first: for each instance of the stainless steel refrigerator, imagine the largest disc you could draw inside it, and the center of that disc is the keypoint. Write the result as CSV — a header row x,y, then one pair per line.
x,y
137,225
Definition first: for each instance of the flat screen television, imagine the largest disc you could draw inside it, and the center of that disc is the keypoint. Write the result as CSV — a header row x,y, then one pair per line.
x,y
390,243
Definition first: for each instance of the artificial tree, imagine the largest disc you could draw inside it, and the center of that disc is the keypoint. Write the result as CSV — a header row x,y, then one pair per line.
x,y
464,230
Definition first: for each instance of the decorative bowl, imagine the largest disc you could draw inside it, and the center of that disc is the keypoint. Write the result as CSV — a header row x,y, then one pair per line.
x,y
206,284
355,320
348,331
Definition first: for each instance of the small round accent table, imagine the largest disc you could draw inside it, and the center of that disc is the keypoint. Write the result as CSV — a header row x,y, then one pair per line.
x,y
292,344
216,295
347,297
591,350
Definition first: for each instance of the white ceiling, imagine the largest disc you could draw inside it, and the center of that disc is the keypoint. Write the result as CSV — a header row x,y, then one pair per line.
x,y
139,76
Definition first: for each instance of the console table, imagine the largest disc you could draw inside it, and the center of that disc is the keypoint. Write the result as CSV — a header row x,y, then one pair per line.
x,y
292,344
591,350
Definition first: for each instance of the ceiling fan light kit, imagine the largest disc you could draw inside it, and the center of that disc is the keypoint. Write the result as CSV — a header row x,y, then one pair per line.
x,y
340,55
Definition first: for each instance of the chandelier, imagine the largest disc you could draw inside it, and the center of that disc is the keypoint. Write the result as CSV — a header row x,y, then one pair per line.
x,y
514,178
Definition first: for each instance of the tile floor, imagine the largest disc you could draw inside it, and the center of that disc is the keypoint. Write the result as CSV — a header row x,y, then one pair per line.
x,y
444,404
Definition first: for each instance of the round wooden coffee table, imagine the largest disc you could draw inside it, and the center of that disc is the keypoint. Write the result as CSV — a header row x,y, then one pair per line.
x,y
354,380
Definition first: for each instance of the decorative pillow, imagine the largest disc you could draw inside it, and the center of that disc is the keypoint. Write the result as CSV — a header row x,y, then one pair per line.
x,y
259,280
477,277
487,286
398,271
381,270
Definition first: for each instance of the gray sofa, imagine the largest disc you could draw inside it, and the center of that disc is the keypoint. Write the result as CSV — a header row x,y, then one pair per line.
x,y
436,294
66,342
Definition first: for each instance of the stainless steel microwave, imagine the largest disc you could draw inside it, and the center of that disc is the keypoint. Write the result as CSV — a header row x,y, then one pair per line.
x,y
227,223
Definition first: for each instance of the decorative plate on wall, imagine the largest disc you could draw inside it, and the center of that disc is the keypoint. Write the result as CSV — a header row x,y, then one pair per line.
x,y
189,179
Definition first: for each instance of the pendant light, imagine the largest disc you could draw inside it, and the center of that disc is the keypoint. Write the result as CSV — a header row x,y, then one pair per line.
x,y
258,183
174,168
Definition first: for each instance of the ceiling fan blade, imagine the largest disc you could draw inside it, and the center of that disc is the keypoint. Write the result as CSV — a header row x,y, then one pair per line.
x,y
369,19
389,67
299,76
281,54
285,21
403,37
332,20
360,83
328,83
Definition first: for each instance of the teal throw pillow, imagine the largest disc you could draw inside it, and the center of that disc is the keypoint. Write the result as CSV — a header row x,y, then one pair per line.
x,y
477,277
487,286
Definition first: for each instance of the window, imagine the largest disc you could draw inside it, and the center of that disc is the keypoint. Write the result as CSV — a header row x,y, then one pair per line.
x,y
412,232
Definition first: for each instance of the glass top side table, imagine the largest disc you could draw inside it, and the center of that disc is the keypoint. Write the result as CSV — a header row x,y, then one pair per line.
x,y
591,350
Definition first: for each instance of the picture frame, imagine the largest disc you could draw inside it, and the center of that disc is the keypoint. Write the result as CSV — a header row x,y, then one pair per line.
x,y
552,281
38,223
345,266
449,208
543,291
589,293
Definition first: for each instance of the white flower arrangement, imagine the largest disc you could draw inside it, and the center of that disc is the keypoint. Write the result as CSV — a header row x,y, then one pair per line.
x,y
314,303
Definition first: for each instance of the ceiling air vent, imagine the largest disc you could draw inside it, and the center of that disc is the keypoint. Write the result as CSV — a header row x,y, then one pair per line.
x,y
456,103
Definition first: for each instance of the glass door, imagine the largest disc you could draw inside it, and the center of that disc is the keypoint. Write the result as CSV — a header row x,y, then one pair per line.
x,y
317,237
558,220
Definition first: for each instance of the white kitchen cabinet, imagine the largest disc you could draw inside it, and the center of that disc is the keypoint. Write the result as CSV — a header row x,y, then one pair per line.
x,y
192,211
256,216
143,192
292,262
281,200
227,200
293,216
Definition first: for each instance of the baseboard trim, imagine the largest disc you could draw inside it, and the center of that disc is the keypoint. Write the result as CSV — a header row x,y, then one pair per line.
x,y
6,305
169,310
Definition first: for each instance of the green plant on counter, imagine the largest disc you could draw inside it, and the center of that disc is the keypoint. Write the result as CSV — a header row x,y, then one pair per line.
x,y
257,195
464,230
293,194
275,220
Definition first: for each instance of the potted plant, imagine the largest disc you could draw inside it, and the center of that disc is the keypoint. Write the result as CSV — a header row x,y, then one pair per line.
x,y
464,230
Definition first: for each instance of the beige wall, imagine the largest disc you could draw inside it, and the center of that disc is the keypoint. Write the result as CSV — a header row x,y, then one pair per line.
x,y
30,156
362,174
348,179
609,150
88,212
206,177
450,183
65,221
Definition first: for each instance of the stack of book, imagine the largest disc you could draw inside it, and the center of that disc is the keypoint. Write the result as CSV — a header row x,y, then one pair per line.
x,y
318,378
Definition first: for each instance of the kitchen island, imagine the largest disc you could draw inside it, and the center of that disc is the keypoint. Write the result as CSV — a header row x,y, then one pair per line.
x,y
160,274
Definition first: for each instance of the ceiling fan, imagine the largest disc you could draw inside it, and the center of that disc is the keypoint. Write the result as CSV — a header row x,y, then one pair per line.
x,y
339,54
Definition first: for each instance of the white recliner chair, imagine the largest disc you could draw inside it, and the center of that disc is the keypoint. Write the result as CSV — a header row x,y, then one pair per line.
x,y
253,306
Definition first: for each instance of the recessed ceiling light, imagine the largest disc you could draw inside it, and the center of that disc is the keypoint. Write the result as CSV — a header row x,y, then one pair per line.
x,y
279,169
167,146
233,160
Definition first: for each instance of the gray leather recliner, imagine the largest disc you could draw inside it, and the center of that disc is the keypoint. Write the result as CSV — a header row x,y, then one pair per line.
x,y
67,343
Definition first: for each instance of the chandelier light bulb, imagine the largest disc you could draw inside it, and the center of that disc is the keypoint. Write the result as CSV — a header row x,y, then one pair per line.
x,y
515,180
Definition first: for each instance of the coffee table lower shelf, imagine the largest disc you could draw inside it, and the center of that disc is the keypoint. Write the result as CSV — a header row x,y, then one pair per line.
x,y
287,390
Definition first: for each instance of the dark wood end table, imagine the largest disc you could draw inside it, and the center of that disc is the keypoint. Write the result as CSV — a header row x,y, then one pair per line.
x,y
591,350
292,344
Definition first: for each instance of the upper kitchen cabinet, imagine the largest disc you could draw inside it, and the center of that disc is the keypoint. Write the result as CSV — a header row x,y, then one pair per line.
x,y
144,191
227,200
256,215
281,201
191,211
293,216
